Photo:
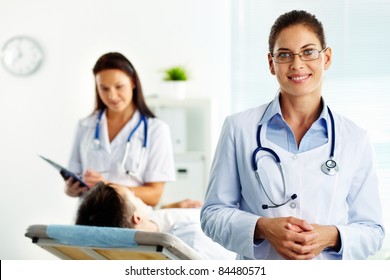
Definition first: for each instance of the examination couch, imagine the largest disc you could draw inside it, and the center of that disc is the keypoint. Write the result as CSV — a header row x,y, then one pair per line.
x,y
102,243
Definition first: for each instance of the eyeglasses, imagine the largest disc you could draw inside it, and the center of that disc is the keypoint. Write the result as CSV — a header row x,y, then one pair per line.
x,y
305,55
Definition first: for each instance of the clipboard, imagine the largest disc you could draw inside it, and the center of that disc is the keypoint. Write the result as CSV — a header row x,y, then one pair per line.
x,y
65,173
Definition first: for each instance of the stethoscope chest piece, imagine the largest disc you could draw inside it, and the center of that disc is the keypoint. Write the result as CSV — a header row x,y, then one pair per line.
x,y
96,144
330,167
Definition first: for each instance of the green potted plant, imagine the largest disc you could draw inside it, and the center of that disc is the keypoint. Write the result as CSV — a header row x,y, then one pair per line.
x,y
176,77
176,73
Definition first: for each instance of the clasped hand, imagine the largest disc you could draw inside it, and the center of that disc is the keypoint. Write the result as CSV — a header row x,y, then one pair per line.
x,y
294,238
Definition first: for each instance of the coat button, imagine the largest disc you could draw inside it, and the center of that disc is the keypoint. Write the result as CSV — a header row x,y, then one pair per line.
x,y
293,205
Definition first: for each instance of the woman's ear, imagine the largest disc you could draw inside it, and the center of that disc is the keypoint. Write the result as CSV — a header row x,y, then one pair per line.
x,y
133,83
327,58
271,64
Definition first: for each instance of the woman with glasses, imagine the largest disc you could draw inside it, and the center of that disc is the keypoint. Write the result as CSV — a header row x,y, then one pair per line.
x,y
292,179
121,141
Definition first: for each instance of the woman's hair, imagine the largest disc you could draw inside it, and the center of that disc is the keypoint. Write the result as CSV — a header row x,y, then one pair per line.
x,y
294,18
103,206
114,60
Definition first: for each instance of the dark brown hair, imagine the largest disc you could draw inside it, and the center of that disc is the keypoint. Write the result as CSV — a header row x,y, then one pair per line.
x,y
294,18
103,206
114,60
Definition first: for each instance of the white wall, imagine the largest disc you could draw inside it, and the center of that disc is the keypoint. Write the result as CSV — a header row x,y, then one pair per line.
x,y
39,113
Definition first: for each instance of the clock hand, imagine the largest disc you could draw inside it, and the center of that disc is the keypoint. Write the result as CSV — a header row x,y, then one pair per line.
x,y
17,53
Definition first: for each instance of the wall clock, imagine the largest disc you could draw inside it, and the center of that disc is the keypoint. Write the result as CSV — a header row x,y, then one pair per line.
x,y
22,55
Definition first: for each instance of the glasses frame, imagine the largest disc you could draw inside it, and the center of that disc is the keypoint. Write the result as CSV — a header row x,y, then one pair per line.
x,y
298,54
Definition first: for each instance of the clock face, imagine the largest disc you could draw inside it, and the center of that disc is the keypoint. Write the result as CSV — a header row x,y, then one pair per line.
x,y
22,55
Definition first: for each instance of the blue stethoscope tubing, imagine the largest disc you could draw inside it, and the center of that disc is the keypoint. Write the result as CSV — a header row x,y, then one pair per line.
x,y
329,167
143,119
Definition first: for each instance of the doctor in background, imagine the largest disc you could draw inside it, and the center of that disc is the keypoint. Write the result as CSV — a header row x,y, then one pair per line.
x,y
121,141
292,179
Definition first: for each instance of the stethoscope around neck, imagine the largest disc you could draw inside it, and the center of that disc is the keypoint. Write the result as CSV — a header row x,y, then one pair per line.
x,y
96,143
329,167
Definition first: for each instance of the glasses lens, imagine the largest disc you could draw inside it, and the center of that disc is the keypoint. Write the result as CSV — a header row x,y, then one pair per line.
x,y
310,54
283,57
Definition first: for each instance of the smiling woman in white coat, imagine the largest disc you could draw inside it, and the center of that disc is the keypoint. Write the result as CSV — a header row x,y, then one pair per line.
x,y
291,179
122,142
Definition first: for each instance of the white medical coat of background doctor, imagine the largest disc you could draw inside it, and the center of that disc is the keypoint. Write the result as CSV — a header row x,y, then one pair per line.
x,y
157,165
349,200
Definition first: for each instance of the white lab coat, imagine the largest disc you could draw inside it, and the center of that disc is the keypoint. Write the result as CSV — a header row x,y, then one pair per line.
x,y
157,165
349,200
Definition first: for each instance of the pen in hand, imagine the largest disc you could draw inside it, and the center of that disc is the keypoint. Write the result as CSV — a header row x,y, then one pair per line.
x,y
80,175
92,177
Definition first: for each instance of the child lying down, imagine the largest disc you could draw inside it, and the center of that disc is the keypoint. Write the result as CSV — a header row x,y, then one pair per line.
x,y
112,205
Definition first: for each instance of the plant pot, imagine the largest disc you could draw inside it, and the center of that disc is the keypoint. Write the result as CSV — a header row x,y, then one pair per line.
x,y
177,89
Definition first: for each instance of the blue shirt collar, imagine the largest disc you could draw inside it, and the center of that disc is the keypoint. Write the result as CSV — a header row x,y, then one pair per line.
x,y
274,109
